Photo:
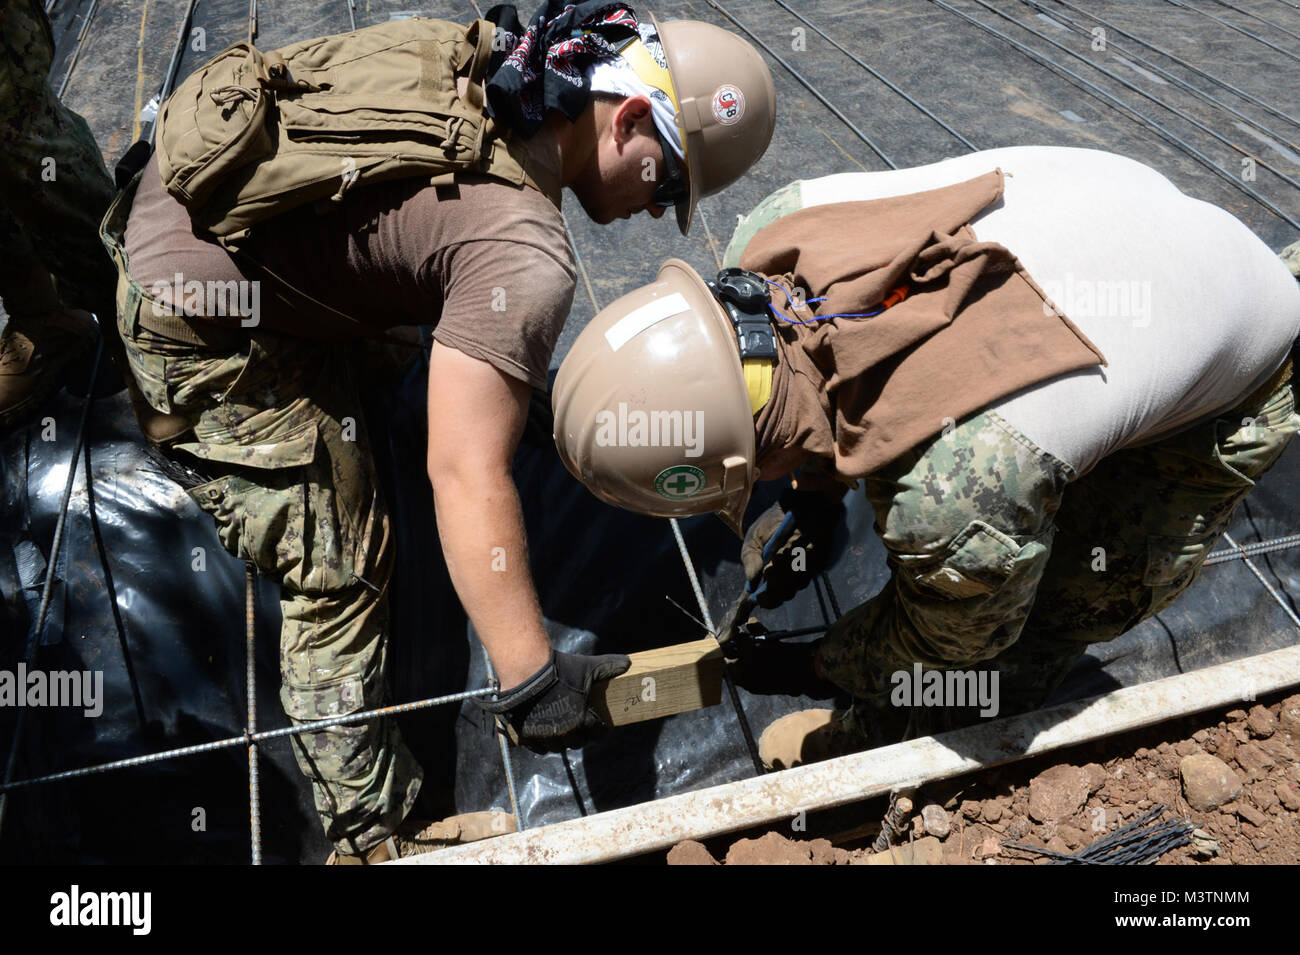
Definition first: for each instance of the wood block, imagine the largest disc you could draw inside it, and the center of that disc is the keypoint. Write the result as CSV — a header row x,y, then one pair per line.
x,y
661,682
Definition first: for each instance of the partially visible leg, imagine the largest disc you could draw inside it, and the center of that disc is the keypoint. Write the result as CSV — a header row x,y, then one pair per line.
x,y
1133,535
968,523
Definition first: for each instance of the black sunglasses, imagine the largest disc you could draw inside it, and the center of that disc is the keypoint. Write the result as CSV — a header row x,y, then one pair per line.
x,y
672,187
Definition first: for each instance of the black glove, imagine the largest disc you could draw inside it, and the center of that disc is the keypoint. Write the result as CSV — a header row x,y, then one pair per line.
x,y
550,712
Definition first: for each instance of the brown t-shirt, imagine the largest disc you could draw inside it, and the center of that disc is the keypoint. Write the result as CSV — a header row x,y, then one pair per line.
x,y
488,263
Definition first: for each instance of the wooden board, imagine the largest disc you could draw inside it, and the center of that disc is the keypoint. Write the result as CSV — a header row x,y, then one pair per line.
x,y
661,682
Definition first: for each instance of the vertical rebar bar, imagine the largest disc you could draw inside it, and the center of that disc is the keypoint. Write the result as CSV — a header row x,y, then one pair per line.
x,y
250,677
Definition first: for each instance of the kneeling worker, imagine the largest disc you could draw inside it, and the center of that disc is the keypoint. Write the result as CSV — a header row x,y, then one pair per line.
x,y
1057,375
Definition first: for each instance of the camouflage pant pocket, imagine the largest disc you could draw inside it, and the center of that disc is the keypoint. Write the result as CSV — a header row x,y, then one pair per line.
x,y
977,562
336,752
1173,563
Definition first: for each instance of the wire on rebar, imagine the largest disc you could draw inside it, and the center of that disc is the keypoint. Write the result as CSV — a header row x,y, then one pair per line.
x,y
499,728
1135,58
1272,591
807,85
1254,550
1141,92
1255,16
893,86
76,50
243,739
169,78
1232,26
1250,98
1121,105
1141,842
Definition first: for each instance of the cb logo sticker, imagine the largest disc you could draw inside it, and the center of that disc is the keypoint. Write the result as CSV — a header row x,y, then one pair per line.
x,y
678,482
728,105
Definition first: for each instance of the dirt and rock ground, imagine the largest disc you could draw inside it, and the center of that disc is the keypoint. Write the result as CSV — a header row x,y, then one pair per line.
x,y
1235,774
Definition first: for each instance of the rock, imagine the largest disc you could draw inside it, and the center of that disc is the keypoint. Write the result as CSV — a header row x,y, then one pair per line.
x,y
1163,748
1185,748
690,852
1235,715
1263,795
1239,732
1288,795
770,849
1057,793
823,853
1252,757
1252,815
936,821
1208,781
1072,836
1097,776
1261,722
1288,717
970,808
1200,736
925,851
1057,844
992,811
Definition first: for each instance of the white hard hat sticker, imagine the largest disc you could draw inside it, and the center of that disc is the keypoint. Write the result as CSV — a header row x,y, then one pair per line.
x,y
638,320
728,104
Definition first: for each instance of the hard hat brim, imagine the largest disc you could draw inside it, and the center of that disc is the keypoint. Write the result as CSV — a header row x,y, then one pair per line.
x,y
684,211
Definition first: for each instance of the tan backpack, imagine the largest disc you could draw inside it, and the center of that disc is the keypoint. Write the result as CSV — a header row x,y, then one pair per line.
x,y
250,134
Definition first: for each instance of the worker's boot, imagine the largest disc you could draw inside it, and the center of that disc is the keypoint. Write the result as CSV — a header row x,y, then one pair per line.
x,y
386,851
35,353
810,736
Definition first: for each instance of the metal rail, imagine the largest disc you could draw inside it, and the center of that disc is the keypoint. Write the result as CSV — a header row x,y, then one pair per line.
x,y
1120,104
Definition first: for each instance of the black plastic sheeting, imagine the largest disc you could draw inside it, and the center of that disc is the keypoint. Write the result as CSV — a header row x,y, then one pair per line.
x,y
606,578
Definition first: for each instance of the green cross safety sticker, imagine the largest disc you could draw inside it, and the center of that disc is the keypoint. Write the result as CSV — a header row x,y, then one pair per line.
x,y
678,482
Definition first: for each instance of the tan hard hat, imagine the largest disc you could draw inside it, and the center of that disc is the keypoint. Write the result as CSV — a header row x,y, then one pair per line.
x,y
651,407
726,105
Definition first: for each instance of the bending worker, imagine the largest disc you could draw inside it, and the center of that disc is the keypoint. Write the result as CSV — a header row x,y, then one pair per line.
x,y
1056,375
404,174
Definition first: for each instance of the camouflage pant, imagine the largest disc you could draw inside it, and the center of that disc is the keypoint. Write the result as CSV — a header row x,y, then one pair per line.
x,y
1002,559
53,184
279,420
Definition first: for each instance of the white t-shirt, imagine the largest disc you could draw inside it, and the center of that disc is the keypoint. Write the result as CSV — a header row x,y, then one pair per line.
x,y
1192,311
